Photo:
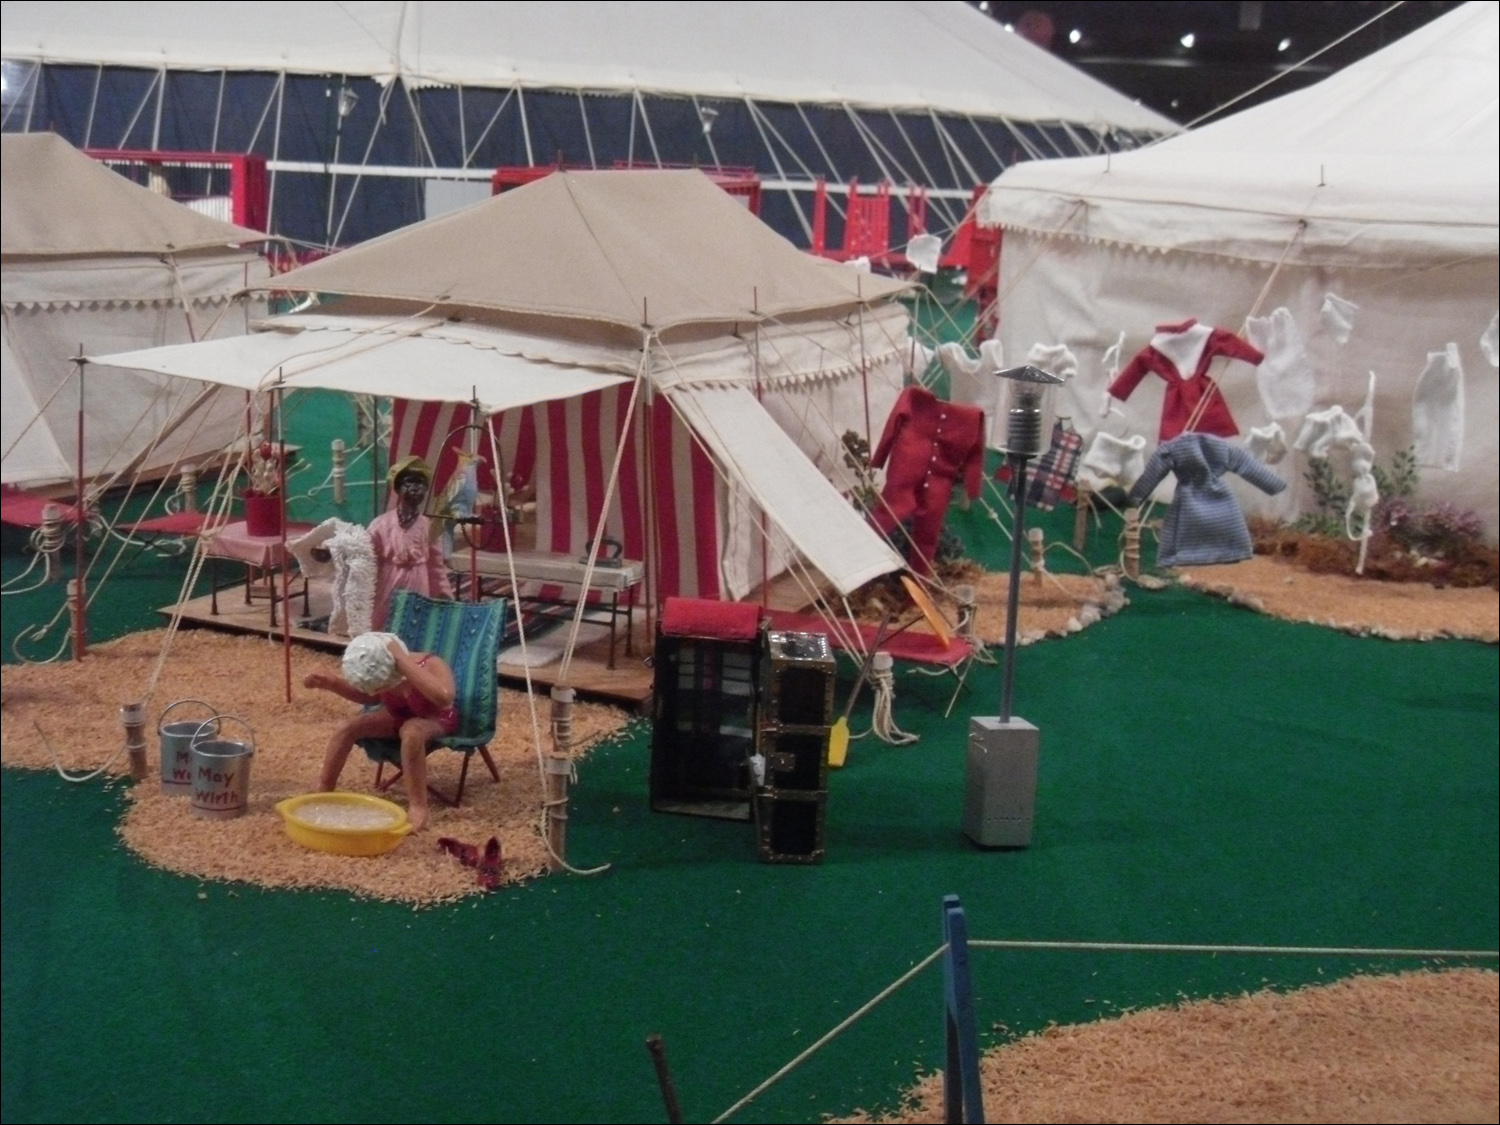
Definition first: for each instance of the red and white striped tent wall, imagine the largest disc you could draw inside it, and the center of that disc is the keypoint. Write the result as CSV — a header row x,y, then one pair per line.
x,y
567,448
711,540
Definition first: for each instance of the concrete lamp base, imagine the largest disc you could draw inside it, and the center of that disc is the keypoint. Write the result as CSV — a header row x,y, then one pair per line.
x,y
1000,782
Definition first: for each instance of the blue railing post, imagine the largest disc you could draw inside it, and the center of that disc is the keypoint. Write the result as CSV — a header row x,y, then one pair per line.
x,y
963,1103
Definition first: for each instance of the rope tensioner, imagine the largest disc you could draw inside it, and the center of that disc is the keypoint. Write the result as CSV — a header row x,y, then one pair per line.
x,y
133,718
187,488
559,773
1131,560
48,540
1038,540
340,471
883,722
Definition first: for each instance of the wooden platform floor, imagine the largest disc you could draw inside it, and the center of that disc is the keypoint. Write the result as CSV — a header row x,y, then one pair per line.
x,y
628,684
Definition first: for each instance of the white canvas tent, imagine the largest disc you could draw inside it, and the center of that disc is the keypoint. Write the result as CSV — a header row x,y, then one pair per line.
x,y
1378,185
571,296
926,92
92,263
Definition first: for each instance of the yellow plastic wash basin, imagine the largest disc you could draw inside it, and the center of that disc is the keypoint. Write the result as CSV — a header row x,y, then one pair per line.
x,y
344,823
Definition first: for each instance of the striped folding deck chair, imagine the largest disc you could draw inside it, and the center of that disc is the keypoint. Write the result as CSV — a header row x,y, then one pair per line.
x,y
467,636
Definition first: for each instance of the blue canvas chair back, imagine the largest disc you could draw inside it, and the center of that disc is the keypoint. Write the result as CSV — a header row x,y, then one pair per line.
x,y
467,636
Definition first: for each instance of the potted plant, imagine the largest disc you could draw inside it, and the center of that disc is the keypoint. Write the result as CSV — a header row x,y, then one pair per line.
x,y
263,495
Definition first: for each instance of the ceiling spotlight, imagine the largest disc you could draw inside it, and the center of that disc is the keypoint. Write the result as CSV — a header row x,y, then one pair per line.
x,y
1188,40
1284,45
984,5
1008,26
1075,35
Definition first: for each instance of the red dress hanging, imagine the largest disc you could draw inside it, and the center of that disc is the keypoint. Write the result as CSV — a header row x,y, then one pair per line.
x,y
1181,354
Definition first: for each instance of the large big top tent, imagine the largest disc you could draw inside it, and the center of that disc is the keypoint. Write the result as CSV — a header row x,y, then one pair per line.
x,y
1377,186
91,262
357,106
639,318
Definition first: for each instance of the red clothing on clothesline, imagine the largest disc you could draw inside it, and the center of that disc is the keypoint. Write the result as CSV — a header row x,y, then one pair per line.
x,y
1181,354
928,444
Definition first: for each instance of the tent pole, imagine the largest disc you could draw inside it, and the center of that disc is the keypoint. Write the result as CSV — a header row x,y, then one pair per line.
x,y
588,136
80,601
213,145
88,129
279,401
476,420
864,367
161,97
374,456
275,151
765,543
525,126
646,121
653,527
780,171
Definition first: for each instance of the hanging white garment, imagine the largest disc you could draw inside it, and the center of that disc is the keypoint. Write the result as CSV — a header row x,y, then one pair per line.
x,y
1284,378
1056,359
1437,411
1337,317
1267,444
351,566
1113,460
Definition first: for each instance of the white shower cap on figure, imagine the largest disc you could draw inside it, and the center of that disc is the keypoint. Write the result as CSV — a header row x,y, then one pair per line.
x,y
368,664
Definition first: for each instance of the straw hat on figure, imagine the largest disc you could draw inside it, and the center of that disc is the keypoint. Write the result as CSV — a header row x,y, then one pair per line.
x,y
407,555
410,696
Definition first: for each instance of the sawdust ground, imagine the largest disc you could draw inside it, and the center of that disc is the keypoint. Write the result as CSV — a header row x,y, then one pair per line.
x,y
1399,610
77,708
1411,1047
1052,605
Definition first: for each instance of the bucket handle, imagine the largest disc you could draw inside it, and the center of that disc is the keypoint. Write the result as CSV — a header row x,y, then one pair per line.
x,y
221,719
162,718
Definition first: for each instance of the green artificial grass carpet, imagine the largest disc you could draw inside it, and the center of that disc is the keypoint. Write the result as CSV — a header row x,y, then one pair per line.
x,y
1208,775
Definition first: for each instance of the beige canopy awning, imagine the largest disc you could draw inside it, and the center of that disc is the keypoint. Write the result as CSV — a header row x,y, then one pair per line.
x,y
627,248
54,200
421,358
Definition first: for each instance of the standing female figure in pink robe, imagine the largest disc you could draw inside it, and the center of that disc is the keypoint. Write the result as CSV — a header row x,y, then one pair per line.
x,y
406,554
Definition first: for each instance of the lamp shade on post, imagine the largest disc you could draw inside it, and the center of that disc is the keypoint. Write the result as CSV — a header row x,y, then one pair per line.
x,y
1026,405
1000,778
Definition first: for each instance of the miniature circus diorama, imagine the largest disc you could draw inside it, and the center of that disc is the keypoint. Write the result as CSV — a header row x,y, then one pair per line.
x,y
696,466
804,469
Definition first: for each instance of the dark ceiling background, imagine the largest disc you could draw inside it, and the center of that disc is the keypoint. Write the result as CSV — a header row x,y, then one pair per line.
x,y
1138,47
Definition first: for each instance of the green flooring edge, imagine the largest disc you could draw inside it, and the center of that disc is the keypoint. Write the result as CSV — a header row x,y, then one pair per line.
x,y
1208,775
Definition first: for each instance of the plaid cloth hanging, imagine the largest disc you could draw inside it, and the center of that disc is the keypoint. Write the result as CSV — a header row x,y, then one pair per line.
x,y
1055,471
